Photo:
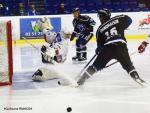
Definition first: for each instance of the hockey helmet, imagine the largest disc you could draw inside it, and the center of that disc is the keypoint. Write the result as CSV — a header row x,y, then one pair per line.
x,y
75,9
50,36
104,12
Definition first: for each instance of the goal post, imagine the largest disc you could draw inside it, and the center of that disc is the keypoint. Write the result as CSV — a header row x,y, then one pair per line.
x,y
6,57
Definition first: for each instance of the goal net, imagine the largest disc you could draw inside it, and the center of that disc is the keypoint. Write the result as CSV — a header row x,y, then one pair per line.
x,y
6,67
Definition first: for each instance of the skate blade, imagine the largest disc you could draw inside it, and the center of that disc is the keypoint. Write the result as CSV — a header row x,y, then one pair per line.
x,y
141,82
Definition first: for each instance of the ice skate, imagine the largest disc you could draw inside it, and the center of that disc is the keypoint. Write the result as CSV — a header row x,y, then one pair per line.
x,y
137,79
140,81
75,58
82,59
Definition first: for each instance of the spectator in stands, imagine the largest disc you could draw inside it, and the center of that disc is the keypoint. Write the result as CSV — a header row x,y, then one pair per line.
x,y
20,11
32,10
1,5
141,3
1,9
61,9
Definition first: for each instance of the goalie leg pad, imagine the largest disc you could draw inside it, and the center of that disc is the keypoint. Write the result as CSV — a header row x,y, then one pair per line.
x,y
43,74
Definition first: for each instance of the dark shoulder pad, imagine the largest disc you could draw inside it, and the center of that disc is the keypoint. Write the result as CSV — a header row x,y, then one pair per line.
x,y
118,16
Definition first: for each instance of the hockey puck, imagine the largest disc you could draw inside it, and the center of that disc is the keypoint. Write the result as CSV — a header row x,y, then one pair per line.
x,y
59,83
69,109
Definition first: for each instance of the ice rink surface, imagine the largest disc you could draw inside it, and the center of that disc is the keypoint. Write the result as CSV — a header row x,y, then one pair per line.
x,y
110,91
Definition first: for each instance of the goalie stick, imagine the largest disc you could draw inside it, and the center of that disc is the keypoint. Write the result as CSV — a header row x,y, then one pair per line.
x,y
32,45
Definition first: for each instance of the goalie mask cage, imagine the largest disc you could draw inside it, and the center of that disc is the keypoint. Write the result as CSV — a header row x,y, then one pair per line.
x,y
6,59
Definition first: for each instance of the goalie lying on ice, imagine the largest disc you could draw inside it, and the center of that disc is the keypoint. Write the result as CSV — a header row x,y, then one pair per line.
x,y
55,50
57,47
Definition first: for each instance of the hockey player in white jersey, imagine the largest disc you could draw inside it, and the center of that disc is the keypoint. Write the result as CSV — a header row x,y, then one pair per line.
x,y
54,51
56,48
144,44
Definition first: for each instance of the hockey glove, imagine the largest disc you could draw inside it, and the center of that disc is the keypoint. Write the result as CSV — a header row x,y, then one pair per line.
x,y
142,47
72,36
43,48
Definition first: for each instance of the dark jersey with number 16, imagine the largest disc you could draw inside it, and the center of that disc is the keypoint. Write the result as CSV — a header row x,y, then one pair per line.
x,y
112,31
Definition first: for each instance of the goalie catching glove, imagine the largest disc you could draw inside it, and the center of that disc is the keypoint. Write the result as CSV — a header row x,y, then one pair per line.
x,y
50,54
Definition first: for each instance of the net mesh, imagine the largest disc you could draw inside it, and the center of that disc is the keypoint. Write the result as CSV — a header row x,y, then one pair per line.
x,y
4,69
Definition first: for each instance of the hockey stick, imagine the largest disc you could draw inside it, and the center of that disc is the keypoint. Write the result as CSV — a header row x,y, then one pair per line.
x,y
86,66
73,82
30,43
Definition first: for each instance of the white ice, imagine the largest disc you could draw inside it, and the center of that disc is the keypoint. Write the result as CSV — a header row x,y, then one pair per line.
x,y
110,91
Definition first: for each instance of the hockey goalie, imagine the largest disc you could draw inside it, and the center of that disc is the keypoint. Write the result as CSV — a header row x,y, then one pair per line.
x,y
53,52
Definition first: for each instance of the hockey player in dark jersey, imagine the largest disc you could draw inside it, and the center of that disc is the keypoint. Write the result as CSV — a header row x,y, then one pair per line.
x,y
83,28
111,44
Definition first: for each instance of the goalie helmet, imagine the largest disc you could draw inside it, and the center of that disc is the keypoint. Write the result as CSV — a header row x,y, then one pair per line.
x,y
44,23
49,36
